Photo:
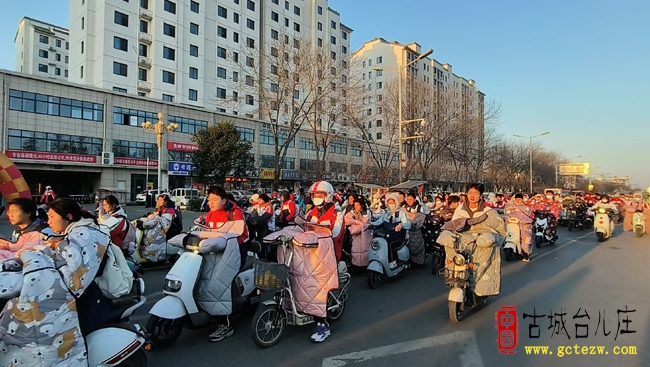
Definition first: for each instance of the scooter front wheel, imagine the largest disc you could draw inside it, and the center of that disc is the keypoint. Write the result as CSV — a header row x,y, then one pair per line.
x,y
538,241
268,325
137,359
374,278
455,313
164,331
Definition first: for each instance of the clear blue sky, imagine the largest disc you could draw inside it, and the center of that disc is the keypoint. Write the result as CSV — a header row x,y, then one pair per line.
x,y
577,68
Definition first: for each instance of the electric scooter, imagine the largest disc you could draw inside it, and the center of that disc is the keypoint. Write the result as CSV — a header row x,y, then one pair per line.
x,y
603,224
379,264
639,223
541,225
512,246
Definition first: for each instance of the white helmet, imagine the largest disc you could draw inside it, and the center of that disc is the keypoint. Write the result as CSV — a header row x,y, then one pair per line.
x,y
324,187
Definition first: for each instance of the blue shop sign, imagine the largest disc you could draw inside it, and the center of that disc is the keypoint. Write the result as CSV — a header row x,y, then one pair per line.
x,y
179,168
290,175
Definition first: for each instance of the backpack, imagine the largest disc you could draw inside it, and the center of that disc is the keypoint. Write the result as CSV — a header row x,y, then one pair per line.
x,y
177,225
129,241
116,278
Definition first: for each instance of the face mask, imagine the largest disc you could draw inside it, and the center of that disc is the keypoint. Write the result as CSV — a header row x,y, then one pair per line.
x,y
318,201
392,207
637,199
604,201
549,197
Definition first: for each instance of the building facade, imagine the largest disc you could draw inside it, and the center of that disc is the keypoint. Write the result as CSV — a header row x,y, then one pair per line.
x,y
42,49
78,139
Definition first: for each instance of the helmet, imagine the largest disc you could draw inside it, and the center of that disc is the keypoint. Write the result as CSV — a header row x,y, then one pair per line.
x,y
324,187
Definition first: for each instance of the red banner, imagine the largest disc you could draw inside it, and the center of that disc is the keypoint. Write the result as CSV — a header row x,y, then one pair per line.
x,y
45,156
183,147
136,162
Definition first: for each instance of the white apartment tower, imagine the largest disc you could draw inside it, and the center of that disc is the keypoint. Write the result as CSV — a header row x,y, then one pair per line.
x,y
41,49
380,61
188,51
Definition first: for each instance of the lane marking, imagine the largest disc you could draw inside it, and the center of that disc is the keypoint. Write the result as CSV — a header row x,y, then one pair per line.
x,y
559,247
466,340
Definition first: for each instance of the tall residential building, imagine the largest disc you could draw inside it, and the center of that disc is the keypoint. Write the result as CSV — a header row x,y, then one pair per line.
x,y
41,49
190,51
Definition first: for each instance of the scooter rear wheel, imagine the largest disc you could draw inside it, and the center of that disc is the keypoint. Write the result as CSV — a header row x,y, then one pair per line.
x,y
601,236
455,314
374,278
268,325
334,314
638,232
164,332
538,241
137,359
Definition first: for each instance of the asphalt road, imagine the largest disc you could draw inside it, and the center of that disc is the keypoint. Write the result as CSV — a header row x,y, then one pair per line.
x,y
405,322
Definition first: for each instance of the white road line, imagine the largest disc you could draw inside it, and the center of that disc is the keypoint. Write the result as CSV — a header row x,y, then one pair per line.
x,y
470,356
559,247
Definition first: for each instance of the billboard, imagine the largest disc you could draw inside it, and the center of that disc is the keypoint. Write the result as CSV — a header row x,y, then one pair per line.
x,y
577,169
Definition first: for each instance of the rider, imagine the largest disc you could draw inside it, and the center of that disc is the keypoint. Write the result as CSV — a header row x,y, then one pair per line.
x,y
402,199
518,209
120,227
553,208
30,222
412,205
447,211
394,214
157,228
631,207
589,199
604,203
48,196
288,210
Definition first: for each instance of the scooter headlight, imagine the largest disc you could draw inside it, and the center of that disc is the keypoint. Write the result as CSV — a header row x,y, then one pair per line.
x,y
459,260
374,244
172,285
602,210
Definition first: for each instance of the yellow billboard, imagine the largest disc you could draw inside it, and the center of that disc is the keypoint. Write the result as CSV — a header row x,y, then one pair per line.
x,y
578,169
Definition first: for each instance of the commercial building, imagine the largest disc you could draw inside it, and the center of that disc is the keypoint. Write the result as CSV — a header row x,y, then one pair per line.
x,y
191,52
78,139
42,49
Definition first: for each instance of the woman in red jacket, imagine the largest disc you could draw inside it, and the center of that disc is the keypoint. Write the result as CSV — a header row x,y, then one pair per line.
x,y
288,210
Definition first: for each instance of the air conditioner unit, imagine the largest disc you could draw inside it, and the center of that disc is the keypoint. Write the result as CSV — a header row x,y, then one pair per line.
x,y
108,158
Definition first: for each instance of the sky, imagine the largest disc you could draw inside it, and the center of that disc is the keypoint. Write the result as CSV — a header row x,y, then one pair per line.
x,y
579,69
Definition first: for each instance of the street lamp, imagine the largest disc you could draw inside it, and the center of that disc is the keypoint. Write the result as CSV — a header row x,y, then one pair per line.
x,y
530,153
400,122
159,129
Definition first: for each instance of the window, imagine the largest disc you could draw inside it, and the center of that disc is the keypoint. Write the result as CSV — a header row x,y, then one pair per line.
x,y
296,43
83,22
144,26
339,147
54,143
43,54
194,6
274,16
81,72
320,42
344,35
193,95
379,85
250,24
296,27
249,100
58,43
168,77
296,10
286,22
221,93
121,19
235,96
222,12
286,5
276,2
167,98
170,7
379,110
235,18
333,55
274,34
250,42
120,90
42,68
274,70
379,123
194,28
82,47
142,74
274,88
119,69
379,72
55,106
333,24
379,59
250,62
194,51
320,26
188,126
65,73
222,32
235,56
144,4
143,50
57,57
320,10
43,39
221,73
235,76
296,94
246,134
235,37
194,73
274,52
250,5
169,53
67,45
249,80
120,44
379,136
221,52
134,149
356,150
169,30
333,40
66,59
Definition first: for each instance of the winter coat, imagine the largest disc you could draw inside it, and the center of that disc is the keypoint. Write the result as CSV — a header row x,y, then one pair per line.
x,y
154,242
42,326
32,237
416,239
118,224
358,225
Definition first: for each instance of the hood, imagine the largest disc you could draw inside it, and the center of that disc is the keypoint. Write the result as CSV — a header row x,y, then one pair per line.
x,y
87,222
392,196
481,207
119,212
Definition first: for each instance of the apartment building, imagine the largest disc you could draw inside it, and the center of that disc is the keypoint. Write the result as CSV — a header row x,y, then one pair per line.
x,y
42,49
194,52
383,61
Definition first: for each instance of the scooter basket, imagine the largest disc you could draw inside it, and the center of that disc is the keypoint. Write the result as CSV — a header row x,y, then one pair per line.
x,y
270,276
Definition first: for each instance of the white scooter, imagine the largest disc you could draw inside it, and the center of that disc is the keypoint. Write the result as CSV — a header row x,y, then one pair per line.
x,y
512,246
638,219
603,224
121,343
541,224
379,266
179,309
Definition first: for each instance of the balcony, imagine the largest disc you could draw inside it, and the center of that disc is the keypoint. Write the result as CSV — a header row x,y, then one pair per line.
x,y
145,38
144,61
146,14
144,86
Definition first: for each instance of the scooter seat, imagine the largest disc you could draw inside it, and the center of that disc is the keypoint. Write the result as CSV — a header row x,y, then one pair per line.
x,y
118,306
